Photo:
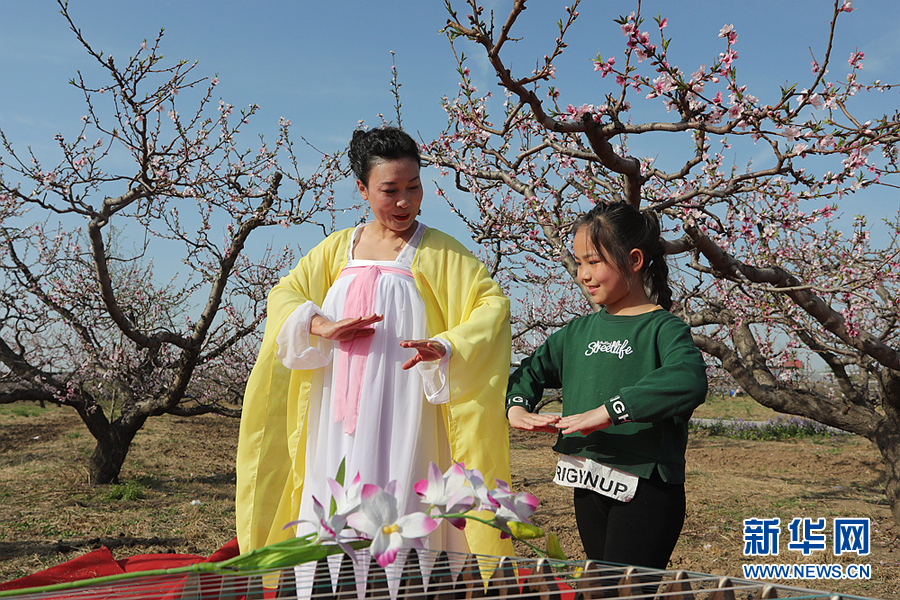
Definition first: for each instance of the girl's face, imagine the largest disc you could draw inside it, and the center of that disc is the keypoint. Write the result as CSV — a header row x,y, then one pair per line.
x,y
607,285
394,192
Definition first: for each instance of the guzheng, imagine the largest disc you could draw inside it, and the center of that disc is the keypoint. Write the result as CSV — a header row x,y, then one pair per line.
x,y
424,574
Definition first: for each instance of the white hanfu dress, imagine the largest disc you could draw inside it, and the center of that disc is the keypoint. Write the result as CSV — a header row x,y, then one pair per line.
x,y
399,428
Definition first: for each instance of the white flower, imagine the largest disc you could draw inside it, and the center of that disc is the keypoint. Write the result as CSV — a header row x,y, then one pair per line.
x,y
448,493
379,519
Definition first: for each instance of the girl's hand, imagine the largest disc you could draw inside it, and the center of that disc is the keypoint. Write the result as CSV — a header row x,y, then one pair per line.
x,y
519,418
345,329
586,422
426,350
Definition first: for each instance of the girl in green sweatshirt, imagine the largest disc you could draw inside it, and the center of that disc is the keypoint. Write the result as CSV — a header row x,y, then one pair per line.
x,y
630,376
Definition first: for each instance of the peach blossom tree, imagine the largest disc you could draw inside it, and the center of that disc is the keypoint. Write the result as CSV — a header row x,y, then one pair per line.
x,y
127,287
766,260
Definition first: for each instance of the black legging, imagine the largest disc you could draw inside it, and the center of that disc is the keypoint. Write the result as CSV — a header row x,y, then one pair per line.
x,y
642,532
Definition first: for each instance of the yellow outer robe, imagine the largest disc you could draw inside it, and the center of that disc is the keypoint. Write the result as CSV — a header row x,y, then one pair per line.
x,y
463,306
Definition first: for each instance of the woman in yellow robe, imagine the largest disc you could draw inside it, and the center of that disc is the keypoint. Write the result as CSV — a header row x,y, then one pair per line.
x,y
467,319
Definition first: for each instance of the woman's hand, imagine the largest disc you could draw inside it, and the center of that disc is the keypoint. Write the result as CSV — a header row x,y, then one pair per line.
x,y
519,418
345,329
586,422
426,350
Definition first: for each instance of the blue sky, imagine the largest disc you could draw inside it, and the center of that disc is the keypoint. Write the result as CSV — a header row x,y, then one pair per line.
x,y
325,65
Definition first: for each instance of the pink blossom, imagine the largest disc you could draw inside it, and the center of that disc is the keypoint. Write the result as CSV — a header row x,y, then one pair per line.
x,y
728,57
790,133
605,68
825,142
661,85
728,32
855,160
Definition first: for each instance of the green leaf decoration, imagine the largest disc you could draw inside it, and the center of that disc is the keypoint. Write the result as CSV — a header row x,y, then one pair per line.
x,y
287,553
554,550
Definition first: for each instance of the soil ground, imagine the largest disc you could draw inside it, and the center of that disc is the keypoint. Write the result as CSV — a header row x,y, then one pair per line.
x,y
177,495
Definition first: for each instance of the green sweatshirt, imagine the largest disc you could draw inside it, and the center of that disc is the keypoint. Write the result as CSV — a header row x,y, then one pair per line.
x,y
644,368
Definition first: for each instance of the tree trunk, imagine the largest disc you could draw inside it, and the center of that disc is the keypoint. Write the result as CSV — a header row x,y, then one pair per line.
x,y
110,452
887,437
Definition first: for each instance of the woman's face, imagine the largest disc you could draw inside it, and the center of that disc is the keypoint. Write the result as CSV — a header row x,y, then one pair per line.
x,y
394,192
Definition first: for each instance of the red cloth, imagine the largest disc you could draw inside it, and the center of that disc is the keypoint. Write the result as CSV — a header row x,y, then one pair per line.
x,y
100,563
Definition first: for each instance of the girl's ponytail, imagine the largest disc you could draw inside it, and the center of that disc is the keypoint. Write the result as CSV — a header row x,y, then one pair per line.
x,y
656,270
656,282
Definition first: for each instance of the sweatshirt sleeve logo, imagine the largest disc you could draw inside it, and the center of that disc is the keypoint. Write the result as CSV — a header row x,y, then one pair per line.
x,y
619,411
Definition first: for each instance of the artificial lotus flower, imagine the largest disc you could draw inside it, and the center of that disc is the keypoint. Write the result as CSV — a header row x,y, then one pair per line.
x,y
329,528
447,493
345,500
510,506
379,519
375,513
480,489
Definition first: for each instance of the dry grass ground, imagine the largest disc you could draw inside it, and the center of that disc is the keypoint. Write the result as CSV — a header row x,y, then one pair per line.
x,y
178,486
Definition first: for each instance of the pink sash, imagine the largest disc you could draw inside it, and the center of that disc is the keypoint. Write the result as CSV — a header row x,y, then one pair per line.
x,y
352,354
